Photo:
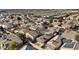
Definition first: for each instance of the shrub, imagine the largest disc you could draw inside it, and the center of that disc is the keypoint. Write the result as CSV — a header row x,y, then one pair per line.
x,y
77,37
12,45
45,23
37,16
51,21
19,18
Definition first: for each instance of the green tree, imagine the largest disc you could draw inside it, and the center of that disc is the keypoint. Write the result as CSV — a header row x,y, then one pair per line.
x,y
19,18
22,37
77,37
12,45
67,14
51,20
61,17
45,23
37,16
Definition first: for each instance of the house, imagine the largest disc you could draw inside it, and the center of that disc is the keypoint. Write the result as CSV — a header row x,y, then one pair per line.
x,y
46,16
65,40
41,30
73,16
40,41
6,35
56,22
69,34
68,46
55,38
53,44
5,38
50,47
31,34
76,46
14,38
43,39
33,27
35,46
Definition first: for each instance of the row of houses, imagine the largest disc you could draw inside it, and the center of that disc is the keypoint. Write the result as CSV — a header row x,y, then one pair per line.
x,y
6,37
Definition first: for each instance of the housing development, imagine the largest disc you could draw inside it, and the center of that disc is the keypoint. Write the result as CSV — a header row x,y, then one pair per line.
x,y
39,29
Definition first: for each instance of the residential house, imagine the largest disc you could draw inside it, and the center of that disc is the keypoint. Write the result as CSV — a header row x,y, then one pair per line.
x,y
53,44
76,46
43,39
31,34
68,46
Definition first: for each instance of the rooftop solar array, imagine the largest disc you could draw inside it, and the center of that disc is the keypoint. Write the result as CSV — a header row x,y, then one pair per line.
x,y
69,45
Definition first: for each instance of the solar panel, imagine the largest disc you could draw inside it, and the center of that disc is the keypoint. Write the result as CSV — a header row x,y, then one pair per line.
x,y
69,45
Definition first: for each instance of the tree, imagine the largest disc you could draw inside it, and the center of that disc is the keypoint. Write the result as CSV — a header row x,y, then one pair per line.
x,y
61,17
77,37
22,37
51,25
12,45
37,16
67,14
51,20
19,18
45,23
60,20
